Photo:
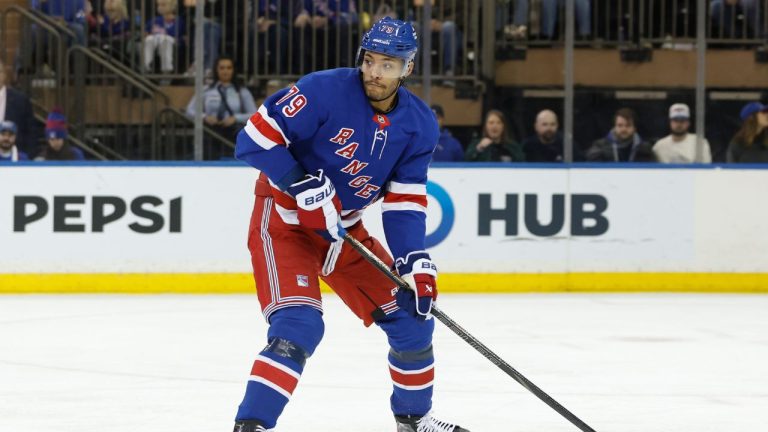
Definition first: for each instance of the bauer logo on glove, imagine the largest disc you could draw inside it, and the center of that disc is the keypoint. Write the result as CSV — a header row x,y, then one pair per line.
x,y
318,205
320,197
418,270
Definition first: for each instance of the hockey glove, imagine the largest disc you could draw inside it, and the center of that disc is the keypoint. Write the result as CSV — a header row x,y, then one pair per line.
x,y
420,273
318,205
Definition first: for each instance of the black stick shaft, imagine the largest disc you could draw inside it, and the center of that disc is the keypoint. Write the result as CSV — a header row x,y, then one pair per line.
x,y
471,340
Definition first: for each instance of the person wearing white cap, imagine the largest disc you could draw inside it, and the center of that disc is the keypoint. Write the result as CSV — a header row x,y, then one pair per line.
x,y
680,146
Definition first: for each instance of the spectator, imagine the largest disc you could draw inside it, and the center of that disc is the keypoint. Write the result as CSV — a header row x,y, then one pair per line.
x,y
113,28
449,28
336,19
227,104
164,35
735,19
270,32
519,27
56,134
750,144
451,35
71,12
448,148
211,37
546,145
8,150
681,146
496,145
16,107
549,12
622,144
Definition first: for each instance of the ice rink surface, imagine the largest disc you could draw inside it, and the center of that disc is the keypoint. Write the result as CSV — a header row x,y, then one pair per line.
x,y
633,363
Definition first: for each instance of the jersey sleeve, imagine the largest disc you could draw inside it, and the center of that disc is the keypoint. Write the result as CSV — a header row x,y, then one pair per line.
x,y
404,209
289,115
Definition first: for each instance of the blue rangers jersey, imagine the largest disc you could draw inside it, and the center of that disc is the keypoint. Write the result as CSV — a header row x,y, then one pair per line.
x,y
326,122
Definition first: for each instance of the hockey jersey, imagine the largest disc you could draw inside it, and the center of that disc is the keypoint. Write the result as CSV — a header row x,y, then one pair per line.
x,y
326,122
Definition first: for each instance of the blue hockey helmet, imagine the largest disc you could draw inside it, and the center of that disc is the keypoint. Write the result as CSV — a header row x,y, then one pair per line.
x,y
390,37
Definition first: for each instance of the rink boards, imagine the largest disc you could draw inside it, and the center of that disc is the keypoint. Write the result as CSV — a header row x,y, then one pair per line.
x,y
143,228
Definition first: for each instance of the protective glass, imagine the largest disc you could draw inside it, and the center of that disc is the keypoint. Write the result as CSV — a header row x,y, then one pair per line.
x,y
379,66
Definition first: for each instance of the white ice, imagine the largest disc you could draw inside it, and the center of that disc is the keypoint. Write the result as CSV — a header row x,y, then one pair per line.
x,y
631,363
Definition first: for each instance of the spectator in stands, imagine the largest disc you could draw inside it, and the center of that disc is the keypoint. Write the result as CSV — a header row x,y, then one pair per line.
x,y
112,28
227,104
546,145
164,35
8,150
496,144
448,148
332,21
57,147
211,37
71,12
750,144
16,107
622,144
735,19
276,19
549,12
447,22
681,146
519,27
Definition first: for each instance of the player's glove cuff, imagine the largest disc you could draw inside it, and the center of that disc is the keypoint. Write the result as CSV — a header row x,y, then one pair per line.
x,y
418,270
318,206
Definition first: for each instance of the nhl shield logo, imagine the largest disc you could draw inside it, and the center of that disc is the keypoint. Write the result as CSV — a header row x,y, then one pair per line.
x,y
302,281
382,120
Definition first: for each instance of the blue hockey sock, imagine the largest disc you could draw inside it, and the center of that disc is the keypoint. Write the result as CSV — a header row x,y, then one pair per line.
x,y
294,333
411,362
412,376
273,380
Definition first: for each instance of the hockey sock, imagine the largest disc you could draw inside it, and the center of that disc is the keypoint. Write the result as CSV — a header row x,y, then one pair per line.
x,y
411,362
273,380
294,333
412,376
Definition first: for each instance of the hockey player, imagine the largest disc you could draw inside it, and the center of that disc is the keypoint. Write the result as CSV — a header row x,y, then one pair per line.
x,y
327,148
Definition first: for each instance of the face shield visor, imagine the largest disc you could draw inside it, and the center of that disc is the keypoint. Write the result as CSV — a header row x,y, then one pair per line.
x,y
381,66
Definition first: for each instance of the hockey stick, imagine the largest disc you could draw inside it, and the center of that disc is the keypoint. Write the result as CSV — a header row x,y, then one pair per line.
x,y
471,340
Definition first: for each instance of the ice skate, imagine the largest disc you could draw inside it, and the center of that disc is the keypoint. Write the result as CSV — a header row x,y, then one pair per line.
x,y
250,426
426,423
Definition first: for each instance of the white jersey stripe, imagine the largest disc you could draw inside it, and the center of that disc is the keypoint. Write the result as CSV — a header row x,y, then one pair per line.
x,y
411,372
269,255
277,365
271,385
346,223
417,387
288,216
404,205
291,217
257,136
275,308
273,123
407,188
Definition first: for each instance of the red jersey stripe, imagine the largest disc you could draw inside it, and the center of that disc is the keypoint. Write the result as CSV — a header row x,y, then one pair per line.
x,y
418,379
266,129
392,197
274,375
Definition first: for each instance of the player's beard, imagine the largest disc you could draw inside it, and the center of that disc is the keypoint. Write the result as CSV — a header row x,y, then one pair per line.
x,y
380,98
